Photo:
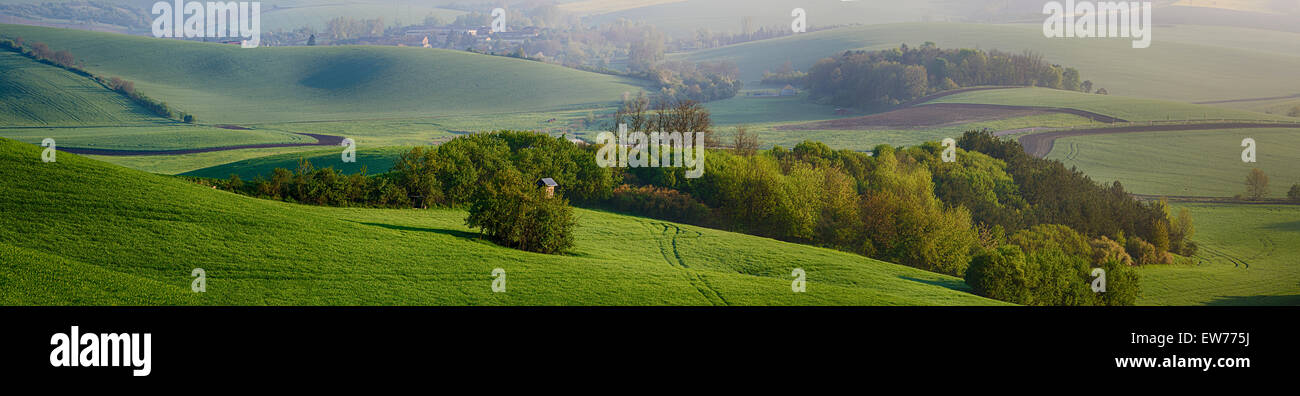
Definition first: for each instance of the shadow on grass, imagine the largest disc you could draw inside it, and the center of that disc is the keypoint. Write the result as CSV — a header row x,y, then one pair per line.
x,y
453,233
1284,226
1291,300
467,235
954,284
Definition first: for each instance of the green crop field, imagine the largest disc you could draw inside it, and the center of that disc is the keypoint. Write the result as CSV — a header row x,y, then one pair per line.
x,y
375,161
1127,108
226,84
1184,163
867,139
177,164
1247,257
1184,62
36,94
83,232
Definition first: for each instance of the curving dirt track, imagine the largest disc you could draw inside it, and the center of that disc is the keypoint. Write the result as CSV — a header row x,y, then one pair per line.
x,y
1039,145
321,140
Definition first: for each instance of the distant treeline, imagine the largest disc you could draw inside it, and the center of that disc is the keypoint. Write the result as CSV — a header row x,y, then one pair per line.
x,y
894,76
64,59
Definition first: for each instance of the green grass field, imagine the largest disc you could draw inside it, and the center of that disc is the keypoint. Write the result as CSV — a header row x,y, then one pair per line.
x,y
226,84
1127,108
1247,257
379,160
1184,62
84,232
1184,163
36,94
177,164
865,140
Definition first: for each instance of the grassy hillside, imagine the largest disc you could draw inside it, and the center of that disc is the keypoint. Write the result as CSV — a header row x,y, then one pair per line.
x,y
226,84
1184,63
37,94
1128,108
376,161
80,231
1247,257
1185,163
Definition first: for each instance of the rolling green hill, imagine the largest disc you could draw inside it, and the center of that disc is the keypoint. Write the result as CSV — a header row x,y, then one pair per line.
x,y
1184,62
1185,163
1247,257
226,84
79,231
43,101
37,94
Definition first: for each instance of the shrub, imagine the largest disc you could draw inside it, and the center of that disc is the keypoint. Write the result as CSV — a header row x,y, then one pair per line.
x,y
1122,285
1294,194
659,203
1144,253
1105,250
1000,274
517,215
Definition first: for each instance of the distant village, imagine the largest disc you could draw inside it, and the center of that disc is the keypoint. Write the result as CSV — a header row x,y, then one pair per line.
x,y
479,39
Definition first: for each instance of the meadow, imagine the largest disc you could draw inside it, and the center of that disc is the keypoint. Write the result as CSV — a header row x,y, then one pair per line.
x,y
1247,257
226,84
1184,163
1127,108
82,232
375,161
1184,63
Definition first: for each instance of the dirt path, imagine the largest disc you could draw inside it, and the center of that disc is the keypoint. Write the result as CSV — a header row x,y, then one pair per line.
x,y
321,140
1039,145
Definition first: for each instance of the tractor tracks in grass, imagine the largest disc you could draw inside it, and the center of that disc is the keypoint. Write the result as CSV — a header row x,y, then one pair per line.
x,y
667,236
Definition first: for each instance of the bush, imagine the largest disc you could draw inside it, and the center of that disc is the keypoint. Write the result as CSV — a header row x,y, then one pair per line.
x,y
1122,285
1144,253
1105,250
1000,274
515,214
659,203
1294,194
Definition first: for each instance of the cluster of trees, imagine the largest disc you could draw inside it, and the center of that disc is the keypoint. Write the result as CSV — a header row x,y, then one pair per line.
x,y
1054,265
1052,194
701,82
320,186
910,207
786,74
890,77
64,59
493,175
